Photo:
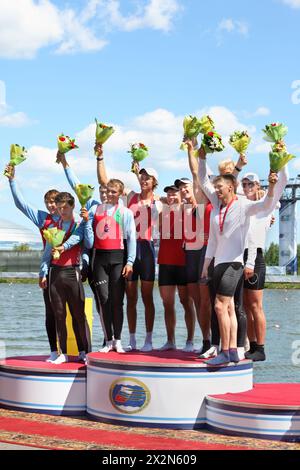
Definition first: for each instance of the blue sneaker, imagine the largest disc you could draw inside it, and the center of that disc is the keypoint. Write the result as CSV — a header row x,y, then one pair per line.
x,y
233,355
221,359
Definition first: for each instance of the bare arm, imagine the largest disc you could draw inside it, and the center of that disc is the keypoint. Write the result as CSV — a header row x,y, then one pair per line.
x,y
101,170
205,184
242,161
194,167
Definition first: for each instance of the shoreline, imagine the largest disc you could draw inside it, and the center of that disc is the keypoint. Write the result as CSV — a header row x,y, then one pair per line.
x,y
268,285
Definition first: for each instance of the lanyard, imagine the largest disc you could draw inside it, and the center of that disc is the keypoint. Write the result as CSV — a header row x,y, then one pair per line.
x,y
222,221
69,232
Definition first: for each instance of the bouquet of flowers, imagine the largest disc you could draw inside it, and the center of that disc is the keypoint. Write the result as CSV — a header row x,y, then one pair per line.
x,y
84,193
17,156
65,144
275,132
103,132
279,159
240,141
54,236
138,153
212,142
193,126
279,155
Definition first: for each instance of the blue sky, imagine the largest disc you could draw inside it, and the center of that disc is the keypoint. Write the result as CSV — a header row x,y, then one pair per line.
x,y
142,65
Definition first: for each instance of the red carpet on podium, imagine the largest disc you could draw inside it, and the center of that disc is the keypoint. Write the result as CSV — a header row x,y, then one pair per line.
x,y
61,433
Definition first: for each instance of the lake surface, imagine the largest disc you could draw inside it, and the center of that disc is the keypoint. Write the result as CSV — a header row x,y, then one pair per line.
x,y
22,330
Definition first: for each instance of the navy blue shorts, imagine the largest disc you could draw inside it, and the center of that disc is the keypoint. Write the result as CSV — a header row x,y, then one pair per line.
x,y
171,275
194,264
257,281
144,265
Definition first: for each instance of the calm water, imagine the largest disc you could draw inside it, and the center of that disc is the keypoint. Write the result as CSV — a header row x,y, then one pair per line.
x,y
22,328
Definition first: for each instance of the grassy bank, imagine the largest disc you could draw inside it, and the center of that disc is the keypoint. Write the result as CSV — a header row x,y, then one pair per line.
x,y
17,280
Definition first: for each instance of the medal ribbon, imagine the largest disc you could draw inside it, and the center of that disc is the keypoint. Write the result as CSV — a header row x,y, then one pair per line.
x,y
222,221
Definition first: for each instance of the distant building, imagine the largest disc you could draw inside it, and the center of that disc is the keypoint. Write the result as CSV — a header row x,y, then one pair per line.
x,y
12,234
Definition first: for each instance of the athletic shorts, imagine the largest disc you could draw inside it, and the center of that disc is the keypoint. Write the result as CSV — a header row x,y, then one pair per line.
x,y
194,264
171,275
144,265
257,281
226,277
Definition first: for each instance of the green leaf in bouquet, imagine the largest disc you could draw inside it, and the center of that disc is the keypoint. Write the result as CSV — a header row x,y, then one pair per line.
x,y
193,126
65,143
279,159
18,155
138,152
84,193
103,132
54,236
212,142
206,124
240,141
275,132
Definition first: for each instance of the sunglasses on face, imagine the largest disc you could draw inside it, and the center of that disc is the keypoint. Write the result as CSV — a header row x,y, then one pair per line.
x,y
250,185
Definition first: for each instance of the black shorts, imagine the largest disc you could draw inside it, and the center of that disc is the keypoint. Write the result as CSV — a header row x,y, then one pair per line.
x,y
171,275
144,265
194,264
257,281
226,277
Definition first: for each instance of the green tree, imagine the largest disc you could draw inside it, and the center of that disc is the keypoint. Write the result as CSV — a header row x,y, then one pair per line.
x,y
21,247
272,255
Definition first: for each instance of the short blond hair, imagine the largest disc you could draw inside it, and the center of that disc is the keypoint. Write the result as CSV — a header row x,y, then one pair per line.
x,y
118,183
226,165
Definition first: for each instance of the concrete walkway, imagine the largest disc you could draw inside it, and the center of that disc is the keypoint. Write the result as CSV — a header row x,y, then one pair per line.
x,y
5,446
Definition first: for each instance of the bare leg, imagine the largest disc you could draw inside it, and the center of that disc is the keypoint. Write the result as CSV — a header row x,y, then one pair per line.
x,y
167,294
147,296
189,311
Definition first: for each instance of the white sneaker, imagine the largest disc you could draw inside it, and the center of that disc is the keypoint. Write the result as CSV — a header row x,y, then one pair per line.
x,y
211,352
189,347
131,346
52,357
117,345
82,357
168,346
147,347
61,359
241,353
107,348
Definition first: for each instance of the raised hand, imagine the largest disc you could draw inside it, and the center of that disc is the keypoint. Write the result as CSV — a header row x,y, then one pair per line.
x,y
9,172
98,149
84,213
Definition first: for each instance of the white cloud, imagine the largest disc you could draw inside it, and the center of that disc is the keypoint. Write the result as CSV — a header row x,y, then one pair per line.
x,y
14,120
8,119
156,14
27,26
77,36
292,3
262,111
229,25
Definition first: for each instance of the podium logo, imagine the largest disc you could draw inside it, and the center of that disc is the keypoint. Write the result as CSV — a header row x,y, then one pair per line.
x,y
129,395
